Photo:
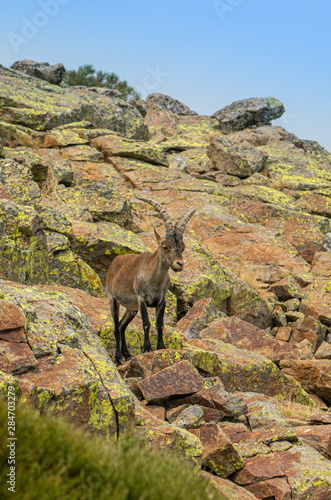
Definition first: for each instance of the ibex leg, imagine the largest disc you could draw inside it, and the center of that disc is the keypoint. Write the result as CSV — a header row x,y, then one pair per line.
x,y
159,310
114,309
125,321
146,325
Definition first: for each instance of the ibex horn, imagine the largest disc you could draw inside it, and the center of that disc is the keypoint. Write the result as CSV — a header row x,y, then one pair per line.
x,y
181,223
164,215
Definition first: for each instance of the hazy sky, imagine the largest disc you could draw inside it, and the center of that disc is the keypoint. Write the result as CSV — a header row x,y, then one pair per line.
x,y
206,53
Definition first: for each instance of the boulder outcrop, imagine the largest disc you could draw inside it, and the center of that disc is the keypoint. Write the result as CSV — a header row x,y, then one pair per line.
x,y
243,387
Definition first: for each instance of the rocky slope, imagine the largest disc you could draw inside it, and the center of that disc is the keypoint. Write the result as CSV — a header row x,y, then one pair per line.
x,y
244,386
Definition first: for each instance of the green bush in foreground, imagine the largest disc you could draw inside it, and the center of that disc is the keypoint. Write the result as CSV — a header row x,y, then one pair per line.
x,y
56,461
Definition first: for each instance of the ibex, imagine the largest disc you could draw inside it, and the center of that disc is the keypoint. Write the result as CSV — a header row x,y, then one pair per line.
x,y
141,281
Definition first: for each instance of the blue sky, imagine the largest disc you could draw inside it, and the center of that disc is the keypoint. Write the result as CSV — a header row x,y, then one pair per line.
x,y
206,53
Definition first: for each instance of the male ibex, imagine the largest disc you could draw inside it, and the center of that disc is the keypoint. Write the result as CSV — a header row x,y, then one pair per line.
x,y
140,281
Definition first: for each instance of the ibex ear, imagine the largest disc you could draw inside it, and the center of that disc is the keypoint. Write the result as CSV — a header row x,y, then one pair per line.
x,y
158,238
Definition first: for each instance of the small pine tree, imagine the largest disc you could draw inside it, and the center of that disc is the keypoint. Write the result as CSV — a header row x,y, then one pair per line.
x,y
87,75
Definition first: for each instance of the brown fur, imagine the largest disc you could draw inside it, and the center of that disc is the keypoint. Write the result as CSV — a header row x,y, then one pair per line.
x,y
140,281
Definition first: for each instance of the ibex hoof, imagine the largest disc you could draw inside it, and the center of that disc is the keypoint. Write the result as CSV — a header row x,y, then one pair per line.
x,y
118,361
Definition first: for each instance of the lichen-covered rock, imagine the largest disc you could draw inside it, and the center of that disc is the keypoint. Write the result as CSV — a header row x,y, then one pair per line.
x,y
43,71
62,137
113,145
314,375
74,375
234,157
287,289
113,112
246,336
42,106
244,371
219,454
93,201
179,380
197,318
24,255
168,103
243,114
17,180
190,418
97,243
295,168
227,489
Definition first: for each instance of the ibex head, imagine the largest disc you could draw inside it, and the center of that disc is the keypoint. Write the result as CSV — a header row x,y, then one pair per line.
x,y
171,246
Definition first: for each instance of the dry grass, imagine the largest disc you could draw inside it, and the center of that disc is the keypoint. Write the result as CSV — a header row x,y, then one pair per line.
x,y
297,411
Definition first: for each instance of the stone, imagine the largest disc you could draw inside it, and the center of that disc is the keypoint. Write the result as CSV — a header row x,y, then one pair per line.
x,y
308,473
314,375
259,468
227,489
320,418
287,289
265,415
242,114
217,398
179,380
17,179
237,432
39,105
62,138
241,370
113,145
246,336
219,454
168,103
292,305
11,316
309,329
62,171
16,358
316,436
197,318
150,363
93,202
321,264
235,158
158,412
44,71
317,307
283,333
250,447
190,418
166,436
161,121
279,317
276,488
324,351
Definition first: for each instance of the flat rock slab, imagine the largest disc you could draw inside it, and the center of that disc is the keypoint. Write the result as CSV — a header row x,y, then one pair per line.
x,y
180,380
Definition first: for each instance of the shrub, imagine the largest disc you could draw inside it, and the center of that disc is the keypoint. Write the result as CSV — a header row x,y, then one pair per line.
x,y
56,461
86,75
